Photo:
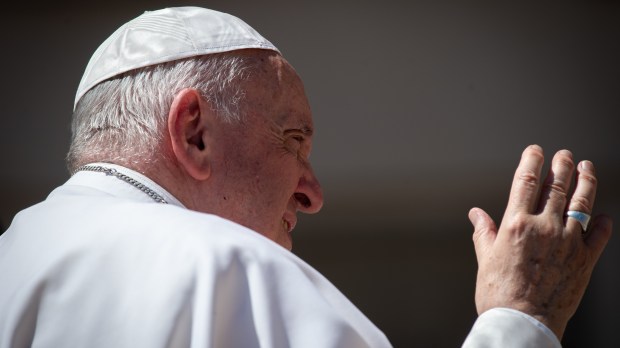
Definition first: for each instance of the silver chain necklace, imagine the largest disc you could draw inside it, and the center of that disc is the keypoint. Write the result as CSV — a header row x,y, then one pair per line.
x,y
131,181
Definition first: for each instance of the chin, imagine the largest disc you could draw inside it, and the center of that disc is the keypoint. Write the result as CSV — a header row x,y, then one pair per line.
x,y
285,240
281,237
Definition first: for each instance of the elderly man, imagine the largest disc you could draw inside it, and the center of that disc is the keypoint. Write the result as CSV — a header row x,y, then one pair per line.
x,y
191,138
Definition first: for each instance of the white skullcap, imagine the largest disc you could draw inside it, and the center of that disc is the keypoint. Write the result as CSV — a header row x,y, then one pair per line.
x,y
166,35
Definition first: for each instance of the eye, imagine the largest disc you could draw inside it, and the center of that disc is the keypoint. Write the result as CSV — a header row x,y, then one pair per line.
x,y
297,141
294,142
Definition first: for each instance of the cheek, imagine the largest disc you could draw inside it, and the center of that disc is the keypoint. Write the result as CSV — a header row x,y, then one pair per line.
x,y
259,181
267,175
274,184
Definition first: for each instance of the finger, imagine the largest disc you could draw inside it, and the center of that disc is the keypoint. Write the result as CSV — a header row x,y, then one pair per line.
x,y
585,192
585,189
598,235
526,182
555,190
485,231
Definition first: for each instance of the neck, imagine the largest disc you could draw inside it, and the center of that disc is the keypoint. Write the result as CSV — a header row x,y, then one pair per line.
x,y
173,179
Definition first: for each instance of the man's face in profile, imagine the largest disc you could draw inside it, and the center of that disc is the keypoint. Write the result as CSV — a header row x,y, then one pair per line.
x,y
263,169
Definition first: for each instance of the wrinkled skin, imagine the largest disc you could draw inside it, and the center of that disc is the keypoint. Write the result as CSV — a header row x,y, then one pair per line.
x,y
539,261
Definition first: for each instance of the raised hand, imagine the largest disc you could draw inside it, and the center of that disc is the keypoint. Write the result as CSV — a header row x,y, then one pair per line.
x,y
540,260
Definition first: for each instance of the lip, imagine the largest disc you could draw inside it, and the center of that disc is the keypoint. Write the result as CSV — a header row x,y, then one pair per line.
x,y
290,221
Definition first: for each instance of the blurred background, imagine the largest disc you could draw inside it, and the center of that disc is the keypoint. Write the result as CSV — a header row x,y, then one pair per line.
x,y
422,110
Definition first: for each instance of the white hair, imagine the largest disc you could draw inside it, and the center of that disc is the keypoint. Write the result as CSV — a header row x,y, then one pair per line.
x,y
123,120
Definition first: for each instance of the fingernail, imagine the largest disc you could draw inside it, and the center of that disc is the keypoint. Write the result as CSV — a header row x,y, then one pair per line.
x,y
587,165
535,147
566,153
473,215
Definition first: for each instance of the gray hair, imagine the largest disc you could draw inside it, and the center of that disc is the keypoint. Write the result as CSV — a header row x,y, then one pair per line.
x,y
123,119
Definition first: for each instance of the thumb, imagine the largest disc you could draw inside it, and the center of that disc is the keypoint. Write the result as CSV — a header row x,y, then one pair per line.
x,y
485,230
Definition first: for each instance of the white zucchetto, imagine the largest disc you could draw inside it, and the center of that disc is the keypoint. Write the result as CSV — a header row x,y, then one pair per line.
x,y
165,35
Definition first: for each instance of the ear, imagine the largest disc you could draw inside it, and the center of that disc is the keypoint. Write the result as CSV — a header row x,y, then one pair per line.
x,y
187,127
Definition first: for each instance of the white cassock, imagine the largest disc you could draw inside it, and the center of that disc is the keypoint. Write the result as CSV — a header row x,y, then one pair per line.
x,y
100,264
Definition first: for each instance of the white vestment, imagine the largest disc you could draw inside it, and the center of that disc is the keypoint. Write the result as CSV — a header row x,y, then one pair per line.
x,y
100,264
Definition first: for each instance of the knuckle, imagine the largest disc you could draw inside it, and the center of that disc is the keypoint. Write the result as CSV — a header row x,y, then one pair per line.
x,y
580,203
519,223
528,178
478,233
589,178
556,188
549,227
476,236
524,225
565,161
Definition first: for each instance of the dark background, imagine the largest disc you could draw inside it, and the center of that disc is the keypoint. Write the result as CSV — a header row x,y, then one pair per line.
x,y
422,110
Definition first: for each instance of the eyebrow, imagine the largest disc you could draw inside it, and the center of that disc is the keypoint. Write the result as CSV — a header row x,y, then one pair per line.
x,y
307,130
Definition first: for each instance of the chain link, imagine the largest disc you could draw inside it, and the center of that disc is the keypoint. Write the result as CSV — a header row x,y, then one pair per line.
x,y
131,181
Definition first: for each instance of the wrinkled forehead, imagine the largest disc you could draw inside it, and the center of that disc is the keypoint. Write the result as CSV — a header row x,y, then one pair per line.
x,y
271,66
275,89
276,74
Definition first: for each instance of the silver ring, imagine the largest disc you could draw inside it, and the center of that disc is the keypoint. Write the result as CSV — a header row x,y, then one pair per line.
x,y
583,218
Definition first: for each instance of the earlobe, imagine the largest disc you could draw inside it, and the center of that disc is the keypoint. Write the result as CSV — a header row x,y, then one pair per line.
x,y
187,127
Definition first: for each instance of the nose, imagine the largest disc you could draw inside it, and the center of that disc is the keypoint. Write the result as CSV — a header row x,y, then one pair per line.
x,y
309,194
